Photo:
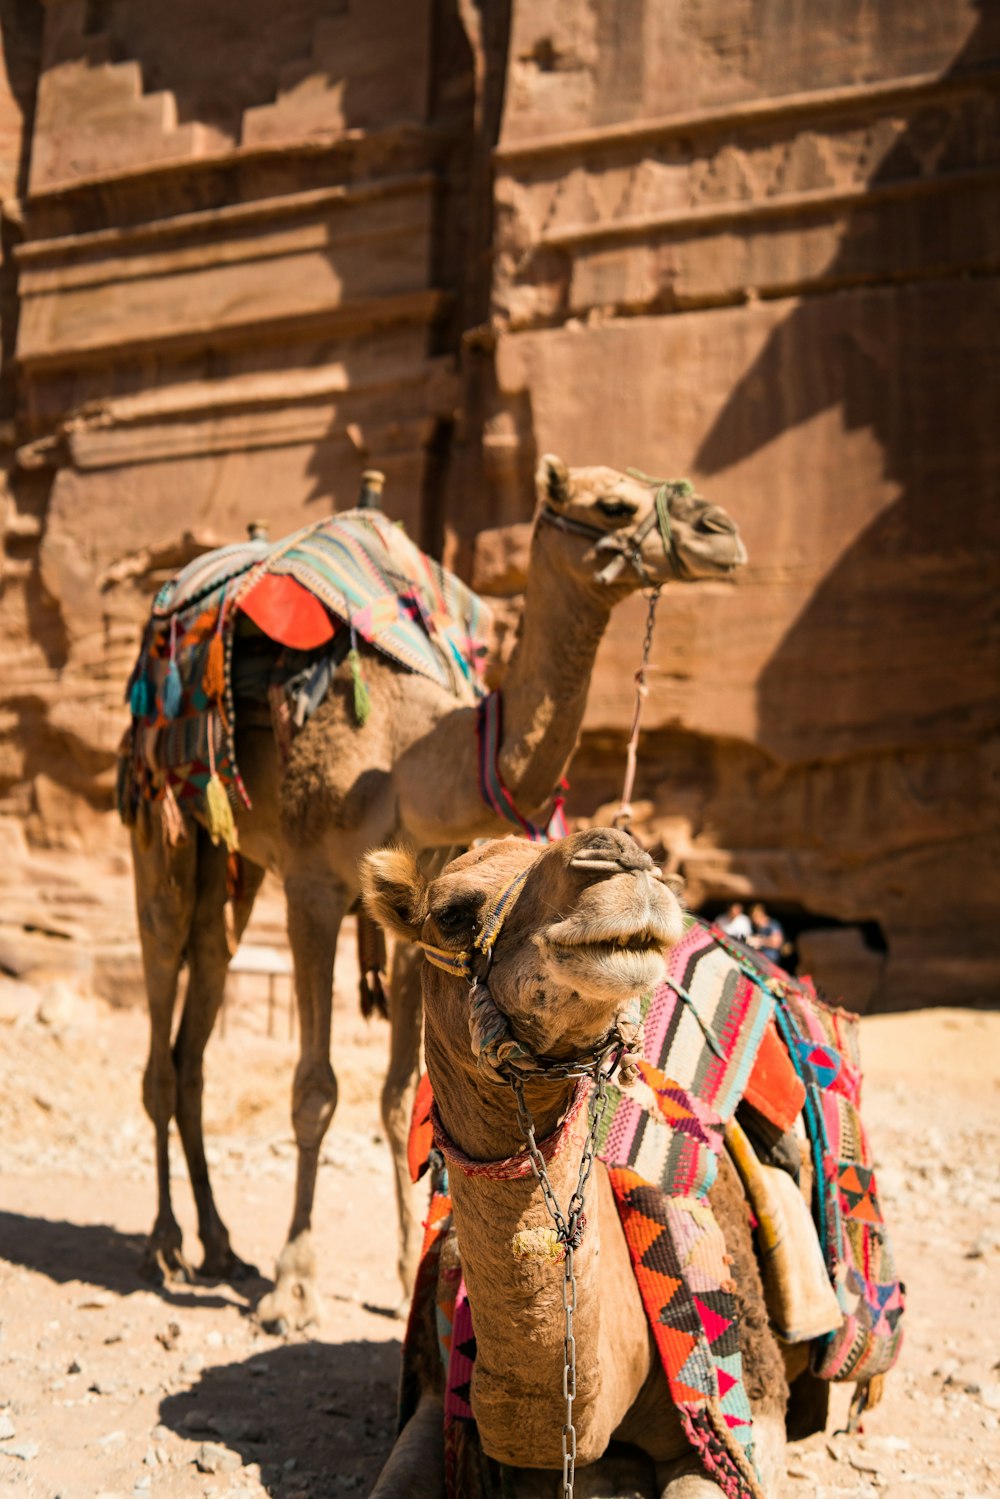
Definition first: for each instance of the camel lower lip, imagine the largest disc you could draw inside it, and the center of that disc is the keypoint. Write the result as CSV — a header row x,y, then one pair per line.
x,y
646,942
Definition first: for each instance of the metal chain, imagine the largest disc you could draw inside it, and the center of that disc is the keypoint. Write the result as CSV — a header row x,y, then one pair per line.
x,y
623,817
569,1230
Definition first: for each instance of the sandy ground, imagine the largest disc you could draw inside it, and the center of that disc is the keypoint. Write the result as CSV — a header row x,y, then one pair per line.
x,y
109,1388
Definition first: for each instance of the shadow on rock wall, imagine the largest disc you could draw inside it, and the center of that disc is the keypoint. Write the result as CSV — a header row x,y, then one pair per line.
x,y
893,663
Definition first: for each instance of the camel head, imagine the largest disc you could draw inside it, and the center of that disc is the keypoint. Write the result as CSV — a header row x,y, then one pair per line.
x,y
581,938
612,518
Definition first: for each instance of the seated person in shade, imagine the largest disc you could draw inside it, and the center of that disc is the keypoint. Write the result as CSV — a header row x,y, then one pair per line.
x,y
767,935
735,922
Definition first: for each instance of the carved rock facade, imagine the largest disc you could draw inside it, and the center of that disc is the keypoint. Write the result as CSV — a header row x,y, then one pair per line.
x,y
247,255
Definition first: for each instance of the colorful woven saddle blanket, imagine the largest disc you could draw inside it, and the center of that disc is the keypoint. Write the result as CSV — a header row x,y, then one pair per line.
x,y
716,1031
358,568
353,577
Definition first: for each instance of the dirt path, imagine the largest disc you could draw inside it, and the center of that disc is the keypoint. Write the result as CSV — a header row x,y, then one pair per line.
x,y
108,1388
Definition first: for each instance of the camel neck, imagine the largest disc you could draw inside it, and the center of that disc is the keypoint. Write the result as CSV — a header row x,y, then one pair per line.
x,y
517,1306
546,683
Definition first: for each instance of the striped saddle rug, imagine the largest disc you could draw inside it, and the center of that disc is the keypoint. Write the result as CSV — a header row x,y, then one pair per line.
x,y
352,577
720,1029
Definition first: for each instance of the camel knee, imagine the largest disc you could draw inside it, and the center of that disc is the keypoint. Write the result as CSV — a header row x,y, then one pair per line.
x,y
159,1091
314,1102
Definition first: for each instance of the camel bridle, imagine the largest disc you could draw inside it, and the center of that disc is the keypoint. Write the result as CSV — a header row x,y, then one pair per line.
x,y
500,1055
626,547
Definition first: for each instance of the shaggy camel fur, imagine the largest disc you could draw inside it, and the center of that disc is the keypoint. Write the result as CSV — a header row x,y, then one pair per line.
x,y
586,936
409,776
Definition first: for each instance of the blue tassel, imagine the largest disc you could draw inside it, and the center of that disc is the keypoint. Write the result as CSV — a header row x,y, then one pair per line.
x,y
172,692
140,698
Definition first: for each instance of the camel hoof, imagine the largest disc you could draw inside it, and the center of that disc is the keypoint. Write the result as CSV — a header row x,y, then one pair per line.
x,y
227,1266
165,1265
290,1307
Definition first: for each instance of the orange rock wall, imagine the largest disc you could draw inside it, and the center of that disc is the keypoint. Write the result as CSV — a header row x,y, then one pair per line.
x,y
750,241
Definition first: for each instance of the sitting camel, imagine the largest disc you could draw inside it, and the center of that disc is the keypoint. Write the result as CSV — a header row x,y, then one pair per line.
x,y
409,775
585,937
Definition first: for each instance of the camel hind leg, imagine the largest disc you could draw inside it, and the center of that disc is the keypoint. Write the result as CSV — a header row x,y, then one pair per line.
x,y
165,899
208,958
398,1090
316,902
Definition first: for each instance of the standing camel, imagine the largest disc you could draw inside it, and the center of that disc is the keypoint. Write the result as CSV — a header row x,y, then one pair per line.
x,y
409,775
581,940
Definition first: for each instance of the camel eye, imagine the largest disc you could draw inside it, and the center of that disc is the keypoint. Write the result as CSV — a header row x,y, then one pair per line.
x,y
617,509
458,918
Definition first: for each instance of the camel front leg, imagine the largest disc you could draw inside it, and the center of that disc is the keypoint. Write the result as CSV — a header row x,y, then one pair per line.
x,y
208,964
316,907
164,896
405,1022
685,1477
414,1468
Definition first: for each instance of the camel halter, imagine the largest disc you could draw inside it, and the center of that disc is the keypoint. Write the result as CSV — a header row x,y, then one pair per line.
x,y
499,1054
627,547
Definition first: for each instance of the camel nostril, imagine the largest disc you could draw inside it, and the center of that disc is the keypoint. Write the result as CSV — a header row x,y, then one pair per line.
x,y
608,851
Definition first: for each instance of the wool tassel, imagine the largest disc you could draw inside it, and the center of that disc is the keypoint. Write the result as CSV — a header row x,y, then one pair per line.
x,y
140,698
174,826
172,692
218,809
214,676
219,813
362,699
172,689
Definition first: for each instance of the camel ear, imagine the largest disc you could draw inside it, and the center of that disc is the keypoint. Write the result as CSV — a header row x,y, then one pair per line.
x,y
553,480
394,891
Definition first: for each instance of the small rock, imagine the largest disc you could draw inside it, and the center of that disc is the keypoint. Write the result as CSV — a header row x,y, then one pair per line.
x,y
169,1336
214,1338
151,1460
211,1458
885,1444
58,1004
861,1463
104,1386
945,1369
142,1485
23,1450
75,1367
972,1388
160,1433
7,1429
258,1367
198,1420
193,1364
112,1441
290,1464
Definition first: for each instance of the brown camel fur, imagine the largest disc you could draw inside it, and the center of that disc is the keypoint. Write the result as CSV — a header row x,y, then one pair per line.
x,y
586,936
408,776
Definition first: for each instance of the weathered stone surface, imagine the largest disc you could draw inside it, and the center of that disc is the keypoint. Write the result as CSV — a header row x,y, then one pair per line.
x,y
755,245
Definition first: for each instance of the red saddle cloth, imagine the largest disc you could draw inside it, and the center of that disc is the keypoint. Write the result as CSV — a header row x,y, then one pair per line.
x,y
287,612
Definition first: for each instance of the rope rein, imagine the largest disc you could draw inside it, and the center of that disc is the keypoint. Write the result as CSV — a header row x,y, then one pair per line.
x,y
623,816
